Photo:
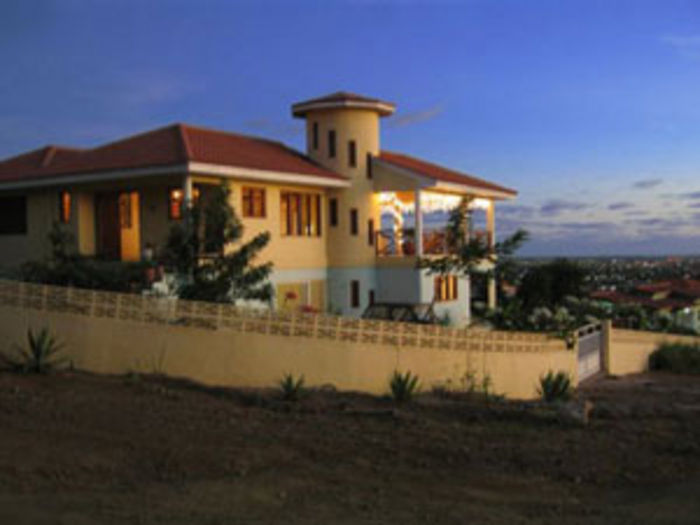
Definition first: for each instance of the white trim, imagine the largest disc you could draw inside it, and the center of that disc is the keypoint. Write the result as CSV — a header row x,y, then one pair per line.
x,y
382,107
101,176
204,168
430,182
201,168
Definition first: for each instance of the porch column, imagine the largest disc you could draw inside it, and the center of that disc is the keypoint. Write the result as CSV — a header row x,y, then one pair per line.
x,y
187,190
491,233
491,223
418,223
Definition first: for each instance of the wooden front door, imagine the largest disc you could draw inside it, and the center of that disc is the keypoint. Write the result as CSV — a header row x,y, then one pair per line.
x,y
108,226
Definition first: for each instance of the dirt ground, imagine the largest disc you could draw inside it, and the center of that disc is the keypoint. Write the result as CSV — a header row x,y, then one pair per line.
x,y
77,449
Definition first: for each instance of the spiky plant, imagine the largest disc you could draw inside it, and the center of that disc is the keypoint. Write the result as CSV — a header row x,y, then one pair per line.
x,y
292,388
38,356
403,386
555,387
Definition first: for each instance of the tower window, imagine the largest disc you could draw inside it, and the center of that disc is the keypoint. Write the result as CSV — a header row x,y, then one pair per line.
x,y
314,135
353,222
352,154
370,232
333,212
331,143
369,165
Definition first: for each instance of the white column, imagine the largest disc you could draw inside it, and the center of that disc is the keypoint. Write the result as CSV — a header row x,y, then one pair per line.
x,y
491,223
187,190
418,223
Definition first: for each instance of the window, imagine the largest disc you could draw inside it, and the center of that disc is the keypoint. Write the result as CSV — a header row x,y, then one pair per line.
x,y
353,222
13,215
176,200
446,288
333,212
331,143
354,294
253,202
371,297
64,207
370,232
300,214
352,154
369,165
314,135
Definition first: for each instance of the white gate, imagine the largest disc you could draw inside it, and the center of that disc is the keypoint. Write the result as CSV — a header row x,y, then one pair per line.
x,y
590,350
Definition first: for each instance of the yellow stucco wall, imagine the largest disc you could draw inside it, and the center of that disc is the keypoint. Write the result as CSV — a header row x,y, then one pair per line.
x,y
251,359
630,349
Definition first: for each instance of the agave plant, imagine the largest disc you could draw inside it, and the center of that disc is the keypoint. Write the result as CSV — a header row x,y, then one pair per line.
x,y
292,388
403,386
39,356
555,387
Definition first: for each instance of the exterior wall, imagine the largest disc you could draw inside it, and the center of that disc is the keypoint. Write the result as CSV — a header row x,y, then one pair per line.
x,y
339,292
629,350
42,212
119,333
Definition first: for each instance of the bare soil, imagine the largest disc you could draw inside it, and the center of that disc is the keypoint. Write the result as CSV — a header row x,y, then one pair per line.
x,y
77,448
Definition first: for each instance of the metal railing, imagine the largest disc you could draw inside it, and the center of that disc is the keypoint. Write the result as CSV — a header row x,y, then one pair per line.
x,y
402,243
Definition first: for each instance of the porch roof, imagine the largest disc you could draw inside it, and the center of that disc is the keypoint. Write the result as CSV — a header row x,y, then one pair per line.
x,y
175,148
426,175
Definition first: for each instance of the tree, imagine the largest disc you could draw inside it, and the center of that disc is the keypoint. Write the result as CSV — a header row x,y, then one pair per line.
x,y
466,254
549,284
196,249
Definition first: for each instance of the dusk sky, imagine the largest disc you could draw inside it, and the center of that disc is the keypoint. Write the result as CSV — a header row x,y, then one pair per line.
x,y
591,110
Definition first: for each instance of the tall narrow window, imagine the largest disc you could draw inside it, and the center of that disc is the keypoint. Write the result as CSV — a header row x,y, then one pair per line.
x,y
314,135
331,143
352,154
253,202
354,294
353,222
300,214
371,297
176,201
370,232
333,212
446,288
369,165
64,205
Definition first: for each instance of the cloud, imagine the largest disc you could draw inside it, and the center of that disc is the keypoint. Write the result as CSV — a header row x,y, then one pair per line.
x,y
557,206
687,46
689,195
620,206
647,183
402,120
694,205
516,210
633,213
275,128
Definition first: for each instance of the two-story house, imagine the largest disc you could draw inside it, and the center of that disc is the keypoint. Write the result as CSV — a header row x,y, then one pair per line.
x,y
346,219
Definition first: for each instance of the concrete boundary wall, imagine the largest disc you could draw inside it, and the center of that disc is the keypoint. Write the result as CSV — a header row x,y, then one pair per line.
x,y
223,345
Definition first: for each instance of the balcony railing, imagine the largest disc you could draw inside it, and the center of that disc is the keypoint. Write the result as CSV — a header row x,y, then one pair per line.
x,y
402,243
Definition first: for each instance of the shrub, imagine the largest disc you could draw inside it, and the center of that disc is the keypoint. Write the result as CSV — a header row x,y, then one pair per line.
x,y
676,357
38,357
292,388
403,386
555,387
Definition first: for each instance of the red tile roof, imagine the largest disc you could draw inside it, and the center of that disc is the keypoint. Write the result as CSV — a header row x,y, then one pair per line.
x,y
173,145
343,99
440,173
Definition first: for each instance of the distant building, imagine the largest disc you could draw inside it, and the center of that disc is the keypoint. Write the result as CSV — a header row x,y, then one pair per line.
x,y
323,209
679,298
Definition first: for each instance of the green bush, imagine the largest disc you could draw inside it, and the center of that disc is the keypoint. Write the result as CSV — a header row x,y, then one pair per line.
x,y
403,386
676,357
555,387
39,356
292,388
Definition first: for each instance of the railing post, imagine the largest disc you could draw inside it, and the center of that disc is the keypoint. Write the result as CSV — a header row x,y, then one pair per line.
x,y
418,223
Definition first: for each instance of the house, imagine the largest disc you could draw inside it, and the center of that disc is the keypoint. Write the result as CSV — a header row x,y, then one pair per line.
x,y
324,209
679,298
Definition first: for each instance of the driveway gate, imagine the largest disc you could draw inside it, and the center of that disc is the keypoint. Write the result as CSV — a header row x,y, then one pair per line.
x,y
590,350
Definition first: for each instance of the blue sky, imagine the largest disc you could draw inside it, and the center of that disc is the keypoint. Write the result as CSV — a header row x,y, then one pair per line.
x,y
590,109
